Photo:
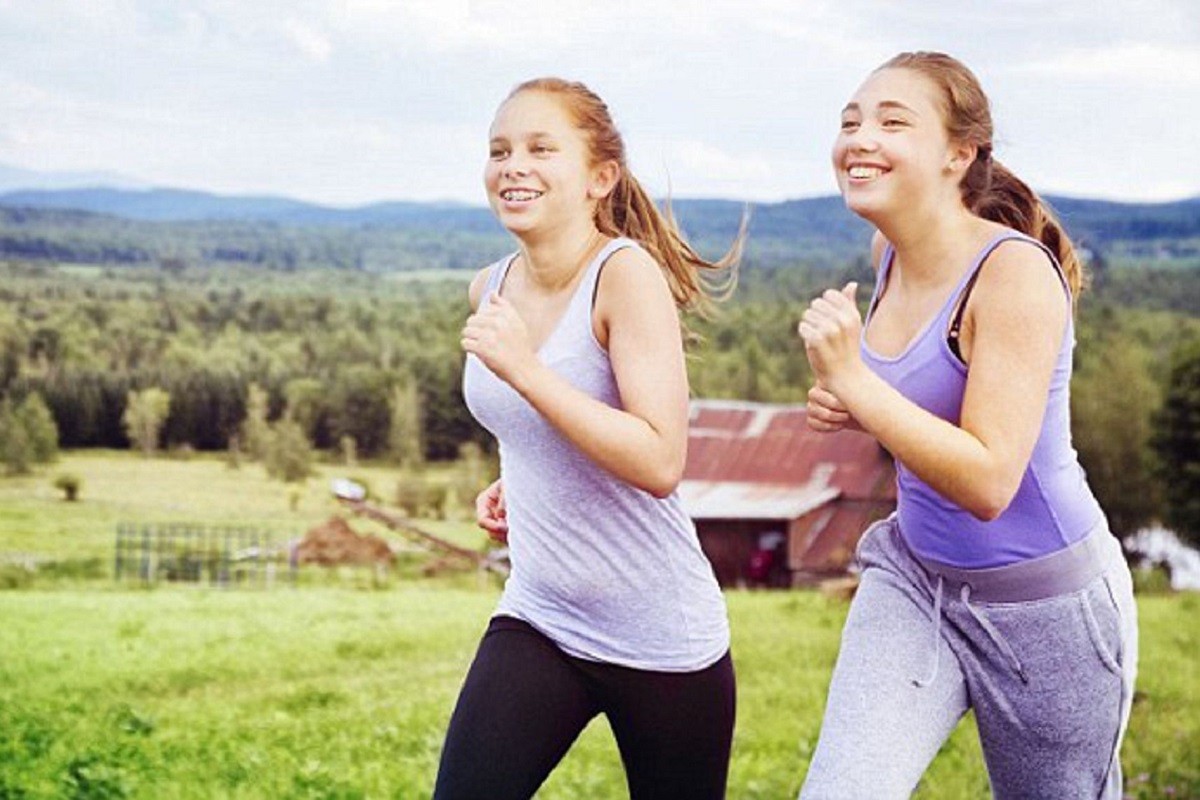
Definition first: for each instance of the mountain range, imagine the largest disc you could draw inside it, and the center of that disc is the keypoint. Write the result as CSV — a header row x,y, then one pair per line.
x,y
131,224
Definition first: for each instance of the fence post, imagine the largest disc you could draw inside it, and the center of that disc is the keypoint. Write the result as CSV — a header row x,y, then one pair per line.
x,y
117,555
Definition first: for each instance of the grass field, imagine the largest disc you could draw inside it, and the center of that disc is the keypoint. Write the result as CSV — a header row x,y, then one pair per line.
x,y
124,487
337,692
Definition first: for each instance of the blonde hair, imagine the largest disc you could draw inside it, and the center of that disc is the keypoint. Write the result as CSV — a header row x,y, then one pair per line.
x,y
630,212
989,189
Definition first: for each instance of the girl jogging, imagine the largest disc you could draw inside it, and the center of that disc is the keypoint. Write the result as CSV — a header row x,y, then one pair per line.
x,y
996,586
575,363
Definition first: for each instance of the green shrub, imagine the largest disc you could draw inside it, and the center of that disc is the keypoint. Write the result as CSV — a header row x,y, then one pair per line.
x,y
416,498
1152,579
69,484
16,576
78,569
289,455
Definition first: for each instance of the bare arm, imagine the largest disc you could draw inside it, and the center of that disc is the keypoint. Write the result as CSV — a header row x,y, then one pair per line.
x,y
644,443
1018,312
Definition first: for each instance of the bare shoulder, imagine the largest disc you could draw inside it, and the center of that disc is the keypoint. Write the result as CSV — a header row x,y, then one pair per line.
x,y
630,276
478,283
632,295
1021,280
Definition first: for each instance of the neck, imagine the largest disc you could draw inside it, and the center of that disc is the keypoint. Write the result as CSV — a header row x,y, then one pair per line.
x,y
930,246
553,262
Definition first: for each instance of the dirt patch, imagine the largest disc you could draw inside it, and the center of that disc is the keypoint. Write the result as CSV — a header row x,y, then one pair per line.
x,y
334,542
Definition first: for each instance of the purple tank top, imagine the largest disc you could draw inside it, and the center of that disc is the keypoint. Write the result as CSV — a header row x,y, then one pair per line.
x,y
1053,508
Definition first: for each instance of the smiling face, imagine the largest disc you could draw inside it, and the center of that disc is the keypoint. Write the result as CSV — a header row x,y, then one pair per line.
x,y
893,150
539,174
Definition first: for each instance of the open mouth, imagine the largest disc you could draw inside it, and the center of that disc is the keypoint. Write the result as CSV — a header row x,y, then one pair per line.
x,y
519,195
860,172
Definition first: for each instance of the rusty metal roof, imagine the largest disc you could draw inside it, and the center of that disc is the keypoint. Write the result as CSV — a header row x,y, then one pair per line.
x,y
736,500
764,443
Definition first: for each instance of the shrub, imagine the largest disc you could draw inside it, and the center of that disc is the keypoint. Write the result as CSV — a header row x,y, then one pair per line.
x,y
1151,579
416,498
69,484
15,449
289,455
34,416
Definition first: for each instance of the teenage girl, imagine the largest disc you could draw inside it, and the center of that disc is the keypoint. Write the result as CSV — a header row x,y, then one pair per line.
x,y
996,586
575,363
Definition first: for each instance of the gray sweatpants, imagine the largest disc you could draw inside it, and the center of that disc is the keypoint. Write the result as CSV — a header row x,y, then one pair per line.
x,y
1044,651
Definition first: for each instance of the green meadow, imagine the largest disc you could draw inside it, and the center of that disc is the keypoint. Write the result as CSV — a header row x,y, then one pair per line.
x,y
342,687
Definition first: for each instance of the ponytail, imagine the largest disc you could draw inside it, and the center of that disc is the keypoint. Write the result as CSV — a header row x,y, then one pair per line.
x,y
991,191
628,211
695,282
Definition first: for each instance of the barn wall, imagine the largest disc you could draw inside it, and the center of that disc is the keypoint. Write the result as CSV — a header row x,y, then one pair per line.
x,y
729,543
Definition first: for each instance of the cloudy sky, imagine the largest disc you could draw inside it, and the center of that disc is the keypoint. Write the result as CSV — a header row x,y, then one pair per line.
x,y
351,101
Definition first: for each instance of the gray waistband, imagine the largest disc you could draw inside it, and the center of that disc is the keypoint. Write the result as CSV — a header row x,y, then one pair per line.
x,y
1063,572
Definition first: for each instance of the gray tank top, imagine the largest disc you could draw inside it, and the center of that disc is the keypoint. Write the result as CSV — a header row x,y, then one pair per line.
x,y
607,571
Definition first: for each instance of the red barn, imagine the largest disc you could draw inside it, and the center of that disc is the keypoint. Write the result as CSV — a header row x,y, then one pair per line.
x,y
776,503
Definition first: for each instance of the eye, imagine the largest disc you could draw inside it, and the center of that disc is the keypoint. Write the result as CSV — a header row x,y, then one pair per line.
x,y
849,124
497,152
541,149
895,122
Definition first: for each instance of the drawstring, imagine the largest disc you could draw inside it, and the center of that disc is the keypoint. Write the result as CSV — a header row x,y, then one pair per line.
x,y
937,636
994,635
988,628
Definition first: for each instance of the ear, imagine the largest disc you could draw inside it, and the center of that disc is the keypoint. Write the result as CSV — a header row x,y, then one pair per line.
x,y
604,178
961,156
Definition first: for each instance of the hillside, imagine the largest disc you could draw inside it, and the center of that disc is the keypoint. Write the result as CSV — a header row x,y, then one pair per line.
x,y
129,227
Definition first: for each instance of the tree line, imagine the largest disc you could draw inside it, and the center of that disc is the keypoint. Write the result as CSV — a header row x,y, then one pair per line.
x,y
247,361
175,230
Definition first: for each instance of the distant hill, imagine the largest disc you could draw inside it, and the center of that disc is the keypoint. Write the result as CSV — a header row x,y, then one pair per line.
x,y
18,178
1106,221
184,205
108,225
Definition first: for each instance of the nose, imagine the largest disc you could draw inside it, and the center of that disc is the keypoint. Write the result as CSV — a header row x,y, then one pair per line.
x,y
862,139
515,167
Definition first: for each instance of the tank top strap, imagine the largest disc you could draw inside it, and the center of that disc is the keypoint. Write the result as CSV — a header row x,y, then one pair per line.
x,y
962,292
585,296
881,278
496,275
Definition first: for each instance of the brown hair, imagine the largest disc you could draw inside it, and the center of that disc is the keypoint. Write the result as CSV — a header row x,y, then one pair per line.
x,y
990,190
628,211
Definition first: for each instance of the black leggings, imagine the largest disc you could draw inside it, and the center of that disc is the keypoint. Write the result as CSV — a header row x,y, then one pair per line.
x,y
524,702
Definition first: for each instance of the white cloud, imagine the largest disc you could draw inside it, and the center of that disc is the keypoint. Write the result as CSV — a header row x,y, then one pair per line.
x,y
689,167
308,40
1125,63
356,100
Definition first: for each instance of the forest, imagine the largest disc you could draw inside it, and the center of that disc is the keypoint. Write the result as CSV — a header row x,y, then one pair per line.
x,y
256,328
